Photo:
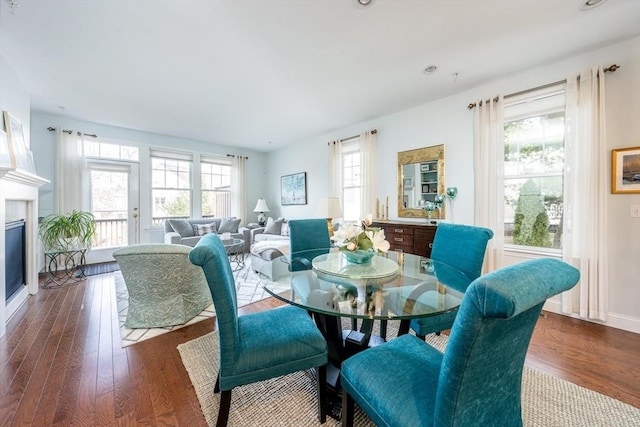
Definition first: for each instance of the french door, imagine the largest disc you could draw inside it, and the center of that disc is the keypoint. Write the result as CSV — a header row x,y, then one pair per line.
x,y
113,198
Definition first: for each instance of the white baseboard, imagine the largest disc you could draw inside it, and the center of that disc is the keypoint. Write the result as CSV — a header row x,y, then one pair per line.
x,y
614,320
16,300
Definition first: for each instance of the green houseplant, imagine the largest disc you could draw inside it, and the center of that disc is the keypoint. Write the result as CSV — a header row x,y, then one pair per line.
x,y
72,230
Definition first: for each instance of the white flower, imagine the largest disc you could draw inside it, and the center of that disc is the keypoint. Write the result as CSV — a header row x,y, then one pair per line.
x,y
345,233
378,240
351,246
368,220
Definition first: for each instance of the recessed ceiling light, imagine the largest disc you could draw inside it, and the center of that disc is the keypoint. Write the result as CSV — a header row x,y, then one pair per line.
x,y
431,69
590,4
363,2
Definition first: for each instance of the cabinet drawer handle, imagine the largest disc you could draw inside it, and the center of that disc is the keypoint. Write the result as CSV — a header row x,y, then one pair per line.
x,y
399,230
399,239
431,245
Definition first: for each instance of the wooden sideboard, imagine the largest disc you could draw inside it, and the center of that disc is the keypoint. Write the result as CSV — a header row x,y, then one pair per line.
x,y
409,237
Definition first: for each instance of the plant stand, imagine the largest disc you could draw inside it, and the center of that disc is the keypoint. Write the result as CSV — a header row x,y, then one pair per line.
x,y
64,267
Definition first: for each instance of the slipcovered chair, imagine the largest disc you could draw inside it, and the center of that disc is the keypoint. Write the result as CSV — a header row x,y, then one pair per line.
x,y
478,379
257,346
164,288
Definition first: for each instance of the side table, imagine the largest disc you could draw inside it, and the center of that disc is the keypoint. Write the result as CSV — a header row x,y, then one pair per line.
x,y
235,252
61,267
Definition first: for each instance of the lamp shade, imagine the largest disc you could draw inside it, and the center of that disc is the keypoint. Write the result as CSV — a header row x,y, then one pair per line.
x,y
261,206
330,207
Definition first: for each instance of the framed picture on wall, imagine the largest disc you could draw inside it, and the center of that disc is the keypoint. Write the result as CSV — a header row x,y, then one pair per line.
x,y
625,171
293,189
15,135
7,160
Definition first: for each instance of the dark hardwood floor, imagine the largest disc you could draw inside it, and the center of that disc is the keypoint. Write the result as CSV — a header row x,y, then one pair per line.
x,y
61,362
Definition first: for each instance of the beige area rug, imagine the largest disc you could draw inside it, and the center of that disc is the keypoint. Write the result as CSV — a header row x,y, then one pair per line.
x,y
291,400
247,287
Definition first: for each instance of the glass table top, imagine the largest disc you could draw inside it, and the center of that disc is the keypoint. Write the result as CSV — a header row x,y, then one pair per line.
x,y
395,285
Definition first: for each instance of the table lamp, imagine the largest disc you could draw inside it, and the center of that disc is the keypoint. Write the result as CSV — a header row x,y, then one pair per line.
x,y
261,208
330,209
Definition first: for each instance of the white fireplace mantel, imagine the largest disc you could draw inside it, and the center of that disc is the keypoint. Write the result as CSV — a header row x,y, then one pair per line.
x,y
21,187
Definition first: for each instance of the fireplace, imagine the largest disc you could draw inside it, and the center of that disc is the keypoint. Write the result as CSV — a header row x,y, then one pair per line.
x,y
18,201
15,259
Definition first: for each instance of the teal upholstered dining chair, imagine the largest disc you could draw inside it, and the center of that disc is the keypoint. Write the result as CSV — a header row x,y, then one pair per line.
x,y
257,346
478,379
308,238
462,247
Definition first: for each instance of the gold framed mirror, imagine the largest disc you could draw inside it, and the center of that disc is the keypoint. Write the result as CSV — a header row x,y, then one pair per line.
x,y
420,179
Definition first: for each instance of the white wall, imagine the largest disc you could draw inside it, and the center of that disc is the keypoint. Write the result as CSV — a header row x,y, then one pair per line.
x,y
14,99
43,148
447,121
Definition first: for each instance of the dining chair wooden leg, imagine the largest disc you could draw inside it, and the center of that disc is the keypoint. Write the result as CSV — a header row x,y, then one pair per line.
x,y
216,388
322,393
348,407
223,411
404,327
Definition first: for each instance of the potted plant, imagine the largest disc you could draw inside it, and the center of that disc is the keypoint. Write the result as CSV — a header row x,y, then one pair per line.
x,y
64,232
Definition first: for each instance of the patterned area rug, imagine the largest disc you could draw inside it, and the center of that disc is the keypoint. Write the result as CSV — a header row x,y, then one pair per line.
x,y
291,400
247,287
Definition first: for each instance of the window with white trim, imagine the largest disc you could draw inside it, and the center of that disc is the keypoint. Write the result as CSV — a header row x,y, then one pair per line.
x,y
107,150
351,180
215,177
171,185
534,130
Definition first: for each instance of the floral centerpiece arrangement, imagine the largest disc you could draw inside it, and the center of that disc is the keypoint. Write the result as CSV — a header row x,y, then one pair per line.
x,y
360,242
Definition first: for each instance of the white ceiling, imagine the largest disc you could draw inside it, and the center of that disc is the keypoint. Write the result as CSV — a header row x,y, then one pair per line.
x,y
246,72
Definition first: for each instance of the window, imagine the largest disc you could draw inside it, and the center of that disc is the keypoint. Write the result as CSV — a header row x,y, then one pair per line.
x,y
105,150
215,176
351,182
533,169
170,185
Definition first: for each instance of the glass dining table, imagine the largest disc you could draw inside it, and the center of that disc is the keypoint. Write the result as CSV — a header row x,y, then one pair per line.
x,y
393,286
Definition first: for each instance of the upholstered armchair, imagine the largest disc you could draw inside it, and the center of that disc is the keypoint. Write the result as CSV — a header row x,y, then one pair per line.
x,y
478,379
164,288
257,346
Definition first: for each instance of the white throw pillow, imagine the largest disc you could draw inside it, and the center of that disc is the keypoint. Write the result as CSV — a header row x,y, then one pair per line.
x,y
274,226
202,229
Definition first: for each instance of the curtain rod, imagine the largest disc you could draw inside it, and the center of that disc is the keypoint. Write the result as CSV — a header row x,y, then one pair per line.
x,y
93,135
611,69
233,155
373,132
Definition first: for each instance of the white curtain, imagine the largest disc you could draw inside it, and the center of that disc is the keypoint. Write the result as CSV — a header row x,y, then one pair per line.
x,y
71,183
586,180
488,168
335,169
368,172
239,187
